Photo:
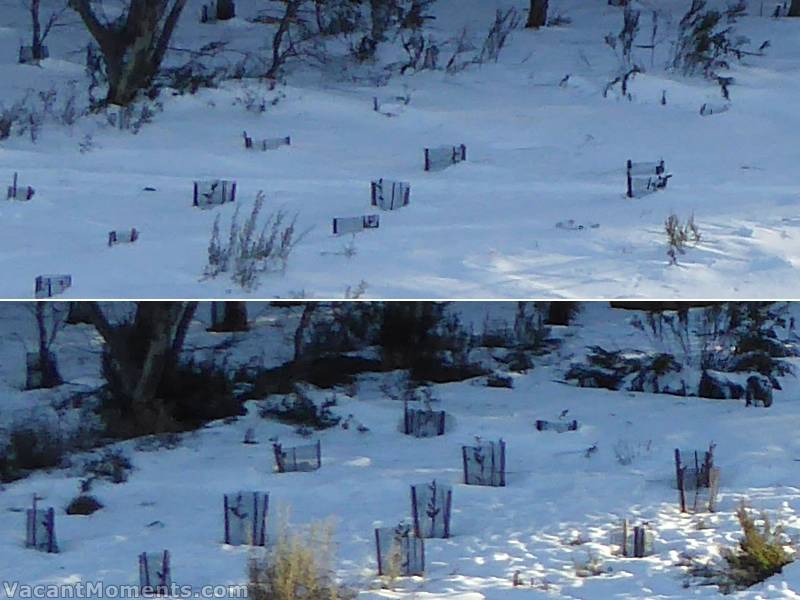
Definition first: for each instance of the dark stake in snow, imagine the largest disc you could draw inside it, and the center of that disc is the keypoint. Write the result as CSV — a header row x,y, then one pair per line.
x,y
47,286
485,464
122,236
266,143
299,458
390,195
442,157
557,426
246,518
431,505
634,542
213,192
18,192
40,528
155,575
399,551
342,225
645,178
423,423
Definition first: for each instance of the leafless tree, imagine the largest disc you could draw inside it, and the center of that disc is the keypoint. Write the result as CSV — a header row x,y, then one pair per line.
x,y
39,31
283,44
50,320
133,46
302,327
139,352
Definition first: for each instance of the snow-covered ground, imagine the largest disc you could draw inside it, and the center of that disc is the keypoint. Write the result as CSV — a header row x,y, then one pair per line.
x,y
556,494
539,154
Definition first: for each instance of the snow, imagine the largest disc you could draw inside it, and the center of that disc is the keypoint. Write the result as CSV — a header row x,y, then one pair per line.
x,y
555,495
539,154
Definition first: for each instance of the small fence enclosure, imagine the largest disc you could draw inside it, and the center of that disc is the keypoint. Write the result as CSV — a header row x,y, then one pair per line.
x,y
217,10
299,458
634,542
485,464
442,157
431,504
18,192
122,236
377,103
713,109
390,195
342,225
557,426
26,55
645,178
266,143
246,518
47,286
40,529
213,192
423,423
697,480
155,575
399,551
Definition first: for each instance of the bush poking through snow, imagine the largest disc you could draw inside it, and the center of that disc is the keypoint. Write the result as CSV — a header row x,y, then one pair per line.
x,y
111,465
760,553
297,566
35,445
679,235
706,42
84,505
253,247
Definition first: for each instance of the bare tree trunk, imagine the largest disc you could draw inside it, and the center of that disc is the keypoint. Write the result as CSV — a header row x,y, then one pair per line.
x,y
134,45
302,326
794,8
233,317
282,46
36,26
141,352
537,17
47,361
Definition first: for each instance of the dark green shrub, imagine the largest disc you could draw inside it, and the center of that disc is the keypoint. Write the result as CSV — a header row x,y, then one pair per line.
x,y
760,553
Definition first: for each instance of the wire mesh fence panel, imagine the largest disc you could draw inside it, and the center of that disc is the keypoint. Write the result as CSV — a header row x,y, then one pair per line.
x,y
557,426
431,505
155,576
423,423
299,458
634,541
122,236
399,551
441,157
213,192
270,143
485,464
246,518
40,529
47,286
342,225
390,195
17,191
645,178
